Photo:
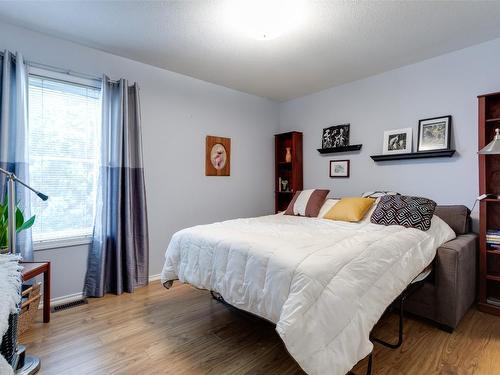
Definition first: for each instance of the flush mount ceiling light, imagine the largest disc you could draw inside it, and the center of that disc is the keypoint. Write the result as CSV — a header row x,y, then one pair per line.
x,y
264,19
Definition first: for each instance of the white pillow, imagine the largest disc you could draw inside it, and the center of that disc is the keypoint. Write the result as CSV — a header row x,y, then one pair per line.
x,y
377,194
440,231
329,203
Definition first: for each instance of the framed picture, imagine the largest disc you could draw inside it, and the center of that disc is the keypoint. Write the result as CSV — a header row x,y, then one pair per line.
x,y
339,168
398,141
336,136
434,134
217,156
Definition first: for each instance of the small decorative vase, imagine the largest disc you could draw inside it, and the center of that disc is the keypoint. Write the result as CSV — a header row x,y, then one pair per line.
x,y
288,156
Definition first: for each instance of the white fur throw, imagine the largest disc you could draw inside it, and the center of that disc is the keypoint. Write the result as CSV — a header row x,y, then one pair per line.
x,y
10,285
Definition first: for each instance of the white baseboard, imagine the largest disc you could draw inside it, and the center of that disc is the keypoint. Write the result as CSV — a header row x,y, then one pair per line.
x,y
154,277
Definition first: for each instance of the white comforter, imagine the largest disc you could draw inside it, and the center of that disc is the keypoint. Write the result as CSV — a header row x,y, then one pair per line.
x,y
324,283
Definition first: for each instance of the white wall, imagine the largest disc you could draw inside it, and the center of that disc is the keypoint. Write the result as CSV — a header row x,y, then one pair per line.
x,y
445,85
177,113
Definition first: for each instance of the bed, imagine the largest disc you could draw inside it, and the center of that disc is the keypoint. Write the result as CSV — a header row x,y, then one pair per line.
x,y
324,283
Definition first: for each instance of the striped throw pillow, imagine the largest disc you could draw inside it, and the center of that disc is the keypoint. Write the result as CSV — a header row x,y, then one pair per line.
x,y
307,202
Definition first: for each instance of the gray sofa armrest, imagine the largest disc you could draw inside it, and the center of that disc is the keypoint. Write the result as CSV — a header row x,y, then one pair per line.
x,y
455,277
454,289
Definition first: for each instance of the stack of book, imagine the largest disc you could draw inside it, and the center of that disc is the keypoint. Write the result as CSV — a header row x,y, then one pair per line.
x,y
493,239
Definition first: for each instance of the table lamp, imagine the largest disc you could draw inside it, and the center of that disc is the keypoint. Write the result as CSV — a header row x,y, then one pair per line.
x,y
492,148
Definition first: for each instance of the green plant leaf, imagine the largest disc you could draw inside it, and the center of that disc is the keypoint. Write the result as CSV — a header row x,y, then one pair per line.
x,y
5,213
3,237
27,224
19,218
4,222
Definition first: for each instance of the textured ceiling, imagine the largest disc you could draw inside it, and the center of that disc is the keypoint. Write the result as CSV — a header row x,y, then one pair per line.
x,y
336,42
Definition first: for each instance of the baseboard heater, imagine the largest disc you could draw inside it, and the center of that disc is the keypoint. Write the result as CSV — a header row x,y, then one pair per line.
x,y
69,305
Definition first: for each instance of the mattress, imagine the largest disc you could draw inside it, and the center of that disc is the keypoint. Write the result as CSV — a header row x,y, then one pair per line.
x,y
324,283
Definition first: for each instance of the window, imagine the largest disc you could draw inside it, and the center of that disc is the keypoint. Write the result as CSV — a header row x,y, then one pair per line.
x,y
63,155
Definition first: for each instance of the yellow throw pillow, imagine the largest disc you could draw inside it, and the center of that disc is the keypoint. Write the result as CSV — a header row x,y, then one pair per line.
x,y
350,209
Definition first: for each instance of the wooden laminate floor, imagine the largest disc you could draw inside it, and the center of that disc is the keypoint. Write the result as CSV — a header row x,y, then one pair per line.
x,y
185,331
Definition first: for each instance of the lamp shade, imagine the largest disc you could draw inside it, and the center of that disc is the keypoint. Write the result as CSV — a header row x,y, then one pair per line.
x,y
493,147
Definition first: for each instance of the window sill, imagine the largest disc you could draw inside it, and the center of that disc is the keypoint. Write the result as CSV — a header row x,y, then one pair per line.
x,y
62,242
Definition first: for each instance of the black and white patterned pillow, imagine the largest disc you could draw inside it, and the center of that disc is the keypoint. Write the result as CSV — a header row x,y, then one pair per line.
x,y
410,212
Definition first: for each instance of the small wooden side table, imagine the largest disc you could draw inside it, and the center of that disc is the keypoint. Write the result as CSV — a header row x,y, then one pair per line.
x,y
33,269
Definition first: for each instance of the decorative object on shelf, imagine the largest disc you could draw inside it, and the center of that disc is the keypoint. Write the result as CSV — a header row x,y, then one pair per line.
x,y
284,185
398,141
217,156
288,156
339,168
434,134
492,148
336,136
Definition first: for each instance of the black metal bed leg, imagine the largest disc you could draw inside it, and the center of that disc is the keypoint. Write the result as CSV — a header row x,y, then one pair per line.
x,y
368,368
216,296
401,328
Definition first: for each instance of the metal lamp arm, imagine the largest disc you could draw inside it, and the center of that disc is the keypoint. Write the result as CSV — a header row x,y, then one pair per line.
x,y
11,193
12,176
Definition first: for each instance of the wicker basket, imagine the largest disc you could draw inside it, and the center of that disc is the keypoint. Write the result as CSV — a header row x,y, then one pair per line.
x,y
29,308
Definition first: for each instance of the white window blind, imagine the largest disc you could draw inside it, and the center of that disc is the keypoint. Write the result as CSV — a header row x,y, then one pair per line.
x,y
63,145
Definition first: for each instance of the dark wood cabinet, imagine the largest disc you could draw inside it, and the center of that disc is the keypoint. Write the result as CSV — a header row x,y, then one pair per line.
x,y
489,211
287,169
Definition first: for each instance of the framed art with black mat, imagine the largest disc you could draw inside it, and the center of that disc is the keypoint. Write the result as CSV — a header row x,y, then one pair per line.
x,y
339,168
398,141
336,136
434,134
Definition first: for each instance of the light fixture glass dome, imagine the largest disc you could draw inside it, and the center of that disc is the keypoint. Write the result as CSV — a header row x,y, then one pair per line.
x,y
264,19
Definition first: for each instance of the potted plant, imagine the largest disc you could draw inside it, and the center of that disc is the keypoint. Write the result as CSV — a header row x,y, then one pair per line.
x,y
4,224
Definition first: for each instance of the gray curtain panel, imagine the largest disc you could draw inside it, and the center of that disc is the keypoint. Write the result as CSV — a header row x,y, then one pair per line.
x,y
118,258
14,136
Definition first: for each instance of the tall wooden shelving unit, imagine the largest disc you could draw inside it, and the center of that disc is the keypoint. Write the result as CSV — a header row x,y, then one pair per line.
x,y
489,214
290,171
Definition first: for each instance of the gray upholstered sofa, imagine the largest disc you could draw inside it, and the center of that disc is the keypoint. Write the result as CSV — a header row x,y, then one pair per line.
x,y
451,290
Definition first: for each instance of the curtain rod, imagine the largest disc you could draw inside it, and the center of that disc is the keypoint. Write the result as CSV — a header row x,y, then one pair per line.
x,y
60,70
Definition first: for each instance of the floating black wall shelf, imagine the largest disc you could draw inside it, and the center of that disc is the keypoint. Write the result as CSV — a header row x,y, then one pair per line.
x,y
415,155
339,149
